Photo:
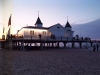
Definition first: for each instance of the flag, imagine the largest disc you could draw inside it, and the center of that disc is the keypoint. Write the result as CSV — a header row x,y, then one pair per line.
x,y
9,22
9,32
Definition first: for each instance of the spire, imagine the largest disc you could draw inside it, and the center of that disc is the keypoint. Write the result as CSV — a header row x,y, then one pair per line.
x,y
38,20
67,24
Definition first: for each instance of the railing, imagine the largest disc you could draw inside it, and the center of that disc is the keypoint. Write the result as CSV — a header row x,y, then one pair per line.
x,y
58,38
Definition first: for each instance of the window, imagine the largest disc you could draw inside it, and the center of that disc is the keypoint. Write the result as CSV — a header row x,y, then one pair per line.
x,y
58,27
44,33
31,32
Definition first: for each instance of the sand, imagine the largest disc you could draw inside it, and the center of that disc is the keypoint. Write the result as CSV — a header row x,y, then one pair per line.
x,y
50,62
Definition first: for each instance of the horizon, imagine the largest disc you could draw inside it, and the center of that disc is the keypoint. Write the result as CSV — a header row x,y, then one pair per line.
x,y
50,12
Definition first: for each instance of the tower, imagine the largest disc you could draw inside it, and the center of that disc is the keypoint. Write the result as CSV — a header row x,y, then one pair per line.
x,y
38,22
68,26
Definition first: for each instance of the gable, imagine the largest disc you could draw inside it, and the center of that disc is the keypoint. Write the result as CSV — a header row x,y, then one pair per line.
x,y
57,27
57,30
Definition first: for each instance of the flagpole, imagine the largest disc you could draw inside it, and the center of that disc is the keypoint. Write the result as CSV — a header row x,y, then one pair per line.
x,y
10,32
11,35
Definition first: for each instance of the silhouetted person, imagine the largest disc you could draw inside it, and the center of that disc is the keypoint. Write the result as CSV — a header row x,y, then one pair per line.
x,y
51,36
97,47
82,38
77,37
94,48
86,38
40,36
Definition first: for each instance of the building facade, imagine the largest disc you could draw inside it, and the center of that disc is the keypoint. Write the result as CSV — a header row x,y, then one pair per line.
x,y
56,30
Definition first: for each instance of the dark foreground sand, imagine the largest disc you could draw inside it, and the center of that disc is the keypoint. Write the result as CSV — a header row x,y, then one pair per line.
x,y
50,62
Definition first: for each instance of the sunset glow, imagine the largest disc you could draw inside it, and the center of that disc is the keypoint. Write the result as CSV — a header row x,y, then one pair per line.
x,y
50,11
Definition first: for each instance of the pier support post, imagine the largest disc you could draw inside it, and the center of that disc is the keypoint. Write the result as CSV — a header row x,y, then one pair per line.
x,y
5,45
73,45
15,44
80,43
57,44
52,45
64,44
41,45
49,44
21,46
30,46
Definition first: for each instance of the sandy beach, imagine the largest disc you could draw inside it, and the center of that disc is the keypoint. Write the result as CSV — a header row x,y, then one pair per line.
x,y
50,62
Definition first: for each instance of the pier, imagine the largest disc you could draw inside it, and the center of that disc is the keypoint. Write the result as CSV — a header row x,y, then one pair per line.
x,y
20,43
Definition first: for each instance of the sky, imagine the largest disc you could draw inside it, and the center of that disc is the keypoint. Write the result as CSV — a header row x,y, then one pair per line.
x,y
24,12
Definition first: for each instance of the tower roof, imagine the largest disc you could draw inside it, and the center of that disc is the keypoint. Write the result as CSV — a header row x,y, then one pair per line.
x,y
67,25
38,21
